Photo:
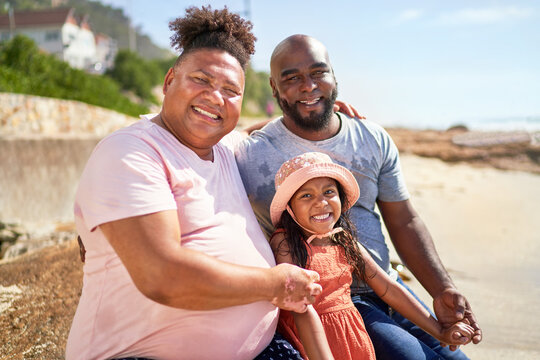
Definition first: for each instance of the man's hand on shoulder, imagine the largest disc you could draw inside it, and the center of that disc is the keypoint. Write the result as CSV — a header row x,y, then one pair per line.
x,y
347,109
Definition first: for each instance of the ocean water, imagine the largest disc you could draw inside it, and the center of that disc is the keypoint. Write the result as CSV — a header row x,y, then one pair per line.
x,y
528,124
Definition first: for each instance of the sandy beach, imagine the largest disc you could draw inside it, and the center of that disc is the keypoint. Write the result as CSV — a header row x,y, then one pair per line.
x,y
484,221
485,224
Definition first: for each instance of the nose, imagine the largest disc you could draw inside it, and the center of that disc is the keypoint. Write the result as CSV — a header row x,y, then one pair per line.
x,y
308,84
321,201
215,96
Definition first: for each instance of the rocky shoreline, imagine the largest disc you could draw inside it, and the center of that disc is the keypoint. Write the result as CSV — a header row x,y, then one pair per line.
x,y
518,150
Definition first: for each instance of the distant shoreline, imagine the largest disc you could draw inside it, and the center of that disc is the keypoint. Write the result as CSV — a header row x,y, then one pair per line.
x,y
513,151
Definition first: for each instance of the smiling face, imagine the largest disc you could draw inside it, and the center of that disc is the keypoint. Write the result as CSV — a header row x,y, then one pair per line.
x,y
303,83
203,98
316,205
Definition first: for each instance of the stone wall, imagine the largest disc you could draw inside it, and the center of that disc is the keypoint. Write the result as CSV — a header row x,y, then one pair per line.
x,y
35,115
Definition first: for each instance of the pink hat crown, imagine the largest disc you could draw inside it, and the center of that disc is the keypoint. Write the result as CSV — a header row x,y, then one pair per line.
x,y
299,162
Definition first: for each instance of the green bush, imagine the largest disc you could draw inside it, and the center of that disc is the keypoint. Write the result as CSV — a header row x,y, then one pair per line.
x,y
136,74
24,69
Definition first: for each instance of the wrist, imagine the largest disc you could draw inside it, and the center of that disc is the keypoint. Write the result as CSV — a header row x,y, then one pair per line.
x,y
440,331
273,284
445,287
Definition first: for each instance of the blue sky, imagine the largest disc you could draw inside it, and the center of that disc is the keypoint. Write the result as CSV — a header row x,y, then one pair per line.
x,y
406,63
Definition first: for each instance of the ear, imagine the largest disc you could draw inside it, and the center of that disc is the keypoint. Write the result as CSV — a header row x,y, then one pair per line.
x,y
168,79
273,86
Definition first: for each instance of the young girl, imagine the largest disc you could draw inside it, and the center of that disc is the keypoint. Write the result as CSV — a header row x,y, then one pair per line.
x,y
312,194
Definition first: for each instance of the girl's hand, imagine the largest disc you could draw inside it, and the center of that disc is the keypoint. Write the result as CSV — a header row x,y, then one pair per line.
x,y
459,333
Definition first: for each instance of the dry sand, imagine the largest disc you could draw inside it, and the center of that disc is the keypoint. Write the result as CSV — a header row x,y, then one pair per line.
x,y
485,223
486,226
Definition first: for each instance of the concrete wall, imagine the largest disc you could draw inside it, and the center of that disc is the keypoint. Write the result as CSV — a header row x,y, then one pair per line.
x,y
44,146
38,178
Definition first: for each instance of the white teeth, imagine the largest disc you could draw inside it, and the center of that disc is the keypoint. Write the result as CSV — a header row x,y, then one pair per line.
x,y
314,101
204,112
321,217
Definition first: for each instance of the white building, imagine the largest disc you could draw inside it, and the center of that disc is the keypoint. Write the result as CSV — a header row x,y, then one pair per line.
x,y
106,50
59,32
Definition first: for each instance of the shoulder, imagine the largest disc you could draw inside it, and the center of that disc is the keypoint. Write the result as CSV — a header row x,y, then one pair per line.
x,y
272,129
255,148
128,143
232,139
367,132
364,126
268,134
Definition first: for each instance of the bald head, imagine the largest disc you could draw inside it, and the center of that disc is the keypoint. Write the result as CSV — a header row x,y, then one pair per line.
x,y
294,44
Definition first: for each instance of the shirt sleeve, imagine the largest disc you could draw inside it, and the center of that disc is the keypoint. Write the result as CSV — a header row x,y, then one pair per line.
x,y
391,182
124,177
232,140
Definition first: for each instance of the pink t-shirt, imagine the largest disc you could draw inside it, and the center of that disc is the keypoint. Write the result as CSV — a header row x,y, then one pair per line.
x,y
143,169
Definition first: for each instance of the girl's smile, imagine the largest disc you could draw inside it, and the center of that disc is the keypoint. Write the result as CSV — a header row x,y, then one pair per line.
x,y
316,205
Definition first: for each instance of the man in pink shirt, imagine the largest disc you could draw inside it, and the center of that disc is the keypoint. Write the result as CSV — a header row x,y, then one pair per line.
x,y
176,264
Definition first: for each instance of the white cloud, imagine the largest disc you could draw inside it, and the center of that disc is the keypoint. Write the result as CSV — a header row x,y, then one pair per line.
x,y
485,16
409,15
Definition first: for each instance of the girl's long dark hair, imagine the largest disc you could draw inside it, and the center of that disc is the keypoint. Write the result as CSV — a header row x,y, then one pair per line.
x,y
298,247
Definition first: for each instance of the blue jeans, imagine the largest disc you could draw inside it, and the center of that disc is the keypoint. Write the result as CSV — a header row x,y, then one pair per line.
x,y
394,337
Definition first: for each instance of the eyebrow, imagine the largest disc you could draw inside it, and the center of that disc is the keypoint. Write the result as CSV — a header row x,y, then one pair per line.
x,y
230,82
321,64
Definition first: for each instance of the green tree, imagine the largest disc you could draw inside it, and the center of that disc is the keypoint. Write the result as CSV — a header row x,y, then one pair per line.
x,y
24,69
134,74
257,93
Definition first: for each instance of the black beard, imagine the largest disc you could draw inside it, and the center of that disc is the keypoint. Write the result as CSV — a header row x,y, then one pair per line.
x,y
315,121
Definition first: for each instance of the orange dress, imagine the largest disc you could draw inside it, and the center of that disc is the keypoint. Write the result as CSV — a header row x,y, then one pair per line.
x,y
343,324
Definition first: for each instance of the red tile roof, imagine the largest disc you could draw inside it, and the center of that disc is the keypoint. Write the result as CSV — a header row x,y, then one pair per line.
x,y
55,16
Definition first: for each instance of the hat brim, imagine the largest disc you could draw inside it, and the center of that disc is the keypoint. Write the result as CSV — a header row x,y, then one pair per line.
x,y
298,178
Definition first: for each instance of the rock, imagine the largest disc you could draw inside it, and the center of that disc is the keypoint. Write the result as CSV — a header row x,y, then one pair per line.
x,y
479,139
460,128
18,241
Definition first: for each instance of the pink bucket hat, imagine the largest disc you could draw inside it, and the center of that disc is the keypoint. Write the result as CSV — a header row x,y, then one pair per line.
x,y
297,171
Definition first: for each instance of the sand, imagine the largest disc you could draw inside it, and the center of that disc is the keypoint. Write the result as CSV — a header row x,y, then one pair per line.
x,y
486,227
485,223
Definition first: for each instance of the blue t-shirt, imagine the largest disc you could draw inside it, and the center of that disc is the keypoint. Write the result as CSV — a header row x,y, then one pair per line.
x,y
363,147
